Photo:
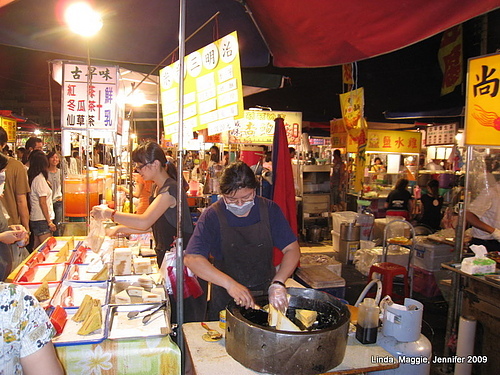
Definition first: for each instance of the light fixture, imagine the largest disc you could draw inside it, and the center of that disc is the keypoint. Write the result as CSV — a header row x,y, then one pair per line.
x,y
459,137
82,19
37,132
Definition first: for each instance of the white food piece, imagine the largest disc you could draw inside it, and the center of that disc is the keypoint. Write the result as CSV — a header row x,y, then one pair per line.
x,y
135,291
122,297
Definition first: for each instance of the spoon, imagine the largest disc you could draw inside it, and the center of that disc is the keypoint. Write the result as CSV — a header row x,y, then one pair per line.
x,y
214,335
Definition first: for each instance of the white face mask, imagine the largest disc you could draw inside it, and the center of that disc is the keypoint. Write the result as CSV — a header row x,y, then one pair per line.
x,y
240,210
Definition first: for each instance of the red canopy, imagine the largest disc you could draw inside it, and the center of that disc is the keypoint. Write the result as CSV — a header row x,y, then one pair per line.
x,y
317,33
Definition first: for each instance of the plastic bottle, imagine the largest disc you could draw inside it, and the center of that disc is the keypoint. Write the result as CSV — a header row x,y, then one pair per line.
x,y
367,325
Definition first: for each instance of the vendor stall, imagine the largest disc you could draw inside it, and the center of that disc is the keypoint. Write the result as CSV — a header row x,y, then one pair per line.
x,y
63,272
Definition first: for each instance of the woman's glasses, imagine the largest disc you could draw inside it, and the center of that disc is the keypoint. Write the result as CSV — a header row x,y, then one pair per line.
x,y
138,167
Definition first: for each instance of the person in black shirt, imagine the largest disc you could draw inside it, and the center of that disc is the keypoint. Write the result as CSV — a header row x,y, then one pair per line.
x,y
399,202
432,203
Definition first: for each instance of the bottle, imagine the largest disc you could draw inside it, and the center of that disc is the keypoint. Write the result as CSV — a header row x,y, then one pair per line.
x,y
367,325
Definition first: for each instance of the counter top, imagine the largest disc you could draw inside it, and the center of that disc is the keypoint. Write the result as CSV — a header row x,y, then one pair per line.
x,y
455,267
210,358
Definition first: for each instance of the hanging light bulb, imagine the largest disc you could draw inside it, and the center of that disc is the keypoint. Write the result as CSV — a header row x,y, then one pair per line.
x,y
82,19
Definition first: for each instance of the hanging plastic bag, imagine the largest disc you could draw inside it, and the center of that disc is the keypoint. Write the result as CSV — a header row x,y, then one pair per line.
x,y
192,287
97,233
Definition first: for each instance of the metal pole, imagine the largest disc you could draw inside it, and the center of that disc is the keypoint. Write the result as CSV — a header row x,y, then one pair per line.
x,y
180,190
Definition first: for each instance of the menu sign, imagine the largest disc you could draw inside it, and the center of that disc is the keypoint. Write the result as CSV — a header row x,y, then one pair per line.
x,y
213,95
441,134
89,102
257,127
482,113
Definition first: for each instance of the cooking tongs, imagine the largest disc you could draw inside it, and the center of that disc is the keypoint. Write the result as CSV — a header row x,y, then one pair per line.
x,y
147,318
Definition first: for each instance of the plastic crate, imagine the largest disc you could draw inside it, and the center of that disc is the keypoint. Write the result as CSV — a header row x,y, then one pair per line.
x,y
429,255
424,282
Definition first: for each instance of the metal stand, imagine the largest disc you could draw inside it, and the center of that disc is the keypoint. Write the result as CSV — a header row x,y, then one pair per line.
x,y
410,247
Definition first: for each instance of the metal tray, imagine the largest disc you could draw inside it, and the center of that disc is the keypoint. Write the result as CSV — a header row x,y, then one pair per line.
x,y
97,289
69,336
121,327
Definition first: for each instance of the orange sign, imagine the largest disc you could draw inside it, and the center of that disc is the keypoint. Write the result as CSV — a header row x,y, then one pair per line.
x,y
402,142
482,109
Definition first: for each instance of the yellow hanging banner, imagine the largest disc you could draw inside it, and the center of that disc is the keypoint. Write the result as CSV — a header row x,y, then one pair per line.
x,y
482,109
10,126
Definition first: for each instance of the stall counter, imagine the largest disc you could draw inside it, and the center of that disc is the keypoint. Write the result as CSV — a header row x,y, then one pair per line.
x,y
208,358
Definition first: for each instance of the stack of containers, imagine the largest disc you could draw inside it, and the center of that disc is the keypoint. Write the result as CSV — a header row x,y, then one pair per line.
x,y
337,219
426,263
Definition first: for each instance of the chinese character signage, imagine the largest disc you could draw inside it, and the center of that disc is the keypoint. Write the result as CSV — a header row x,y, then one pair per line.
x,y
10,127
482,109
450,59
213,95
441,134
402,142
89,102
257,127
338,133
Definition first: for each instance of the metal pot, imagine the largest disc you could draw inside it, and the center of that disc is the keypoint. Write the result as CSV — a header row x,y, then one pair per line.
x,y
313,234
264,349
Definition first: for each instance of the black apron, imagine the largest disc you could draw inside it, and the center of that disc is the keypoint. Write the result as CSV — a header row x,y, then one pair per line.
x,y
164,232
164,229
247,257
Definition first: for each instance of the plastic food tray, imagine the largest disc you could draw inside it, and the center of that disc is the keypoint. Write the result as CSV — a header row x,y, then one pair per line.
x,y
69,335
96,289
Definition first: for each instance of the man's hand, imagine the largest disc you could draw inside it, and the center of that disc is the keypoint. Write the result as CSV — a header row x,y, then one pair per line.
x,y
496,234
277,297
241,295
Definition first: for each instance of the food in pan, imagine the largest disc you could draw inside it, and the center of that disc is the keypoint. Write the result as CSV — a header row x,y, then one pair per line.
x,y
399,240
306,317
51,275
42,293
93,320
102,275
84,309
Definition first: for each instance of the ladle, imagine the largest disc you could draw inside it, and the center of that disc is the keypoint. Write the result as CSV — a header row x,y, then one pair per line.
x,y
214,335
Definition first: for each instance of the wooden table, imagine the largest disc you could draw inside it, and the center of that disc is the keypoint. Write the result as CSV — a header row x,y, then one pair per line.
x,y
209,358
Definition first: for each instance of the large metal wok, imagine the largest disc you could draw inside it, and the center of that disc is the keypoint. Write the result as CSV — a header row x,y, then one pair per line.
x,y
254,344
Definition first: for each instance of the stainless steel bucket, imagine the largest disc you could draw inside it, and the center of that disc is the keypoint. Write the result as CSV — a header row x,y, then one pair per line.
x,y
264,349
313,234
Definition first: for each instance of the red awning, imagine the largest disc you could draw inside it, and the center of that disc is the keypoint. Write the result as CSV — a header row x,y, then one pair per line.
x,y
318,33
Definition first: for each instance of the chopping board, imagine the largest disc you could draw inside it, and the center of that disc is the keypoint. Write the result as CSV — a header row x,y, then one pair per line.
x,y
320,277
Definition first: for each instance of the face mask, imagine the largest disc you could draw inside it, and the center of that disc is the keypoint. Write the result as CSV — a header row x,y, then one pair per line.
x,y
240,210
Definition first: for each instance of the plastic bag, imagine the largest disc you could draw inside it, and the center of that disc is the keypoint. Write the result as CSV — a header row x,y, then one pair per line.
x,y
192,287
96,235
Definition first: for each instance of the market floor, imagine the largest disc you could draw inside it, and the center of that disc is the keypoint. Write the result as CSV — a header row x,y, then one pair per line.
x,y
435,308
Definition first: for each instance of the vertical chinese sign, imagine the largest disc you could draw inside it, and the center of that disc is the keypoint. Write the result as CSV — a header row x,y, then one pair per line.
x,y
450,57
213,95
352,106
10,127
482,110
89,102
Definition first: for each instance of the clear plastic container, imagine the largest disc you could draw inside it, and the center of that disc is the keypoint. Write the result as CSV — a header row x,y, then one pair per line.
x,y
367,325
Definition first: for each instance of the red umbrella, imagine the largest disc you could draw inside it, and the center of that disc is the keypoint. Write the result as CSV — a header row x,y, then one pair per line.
x,y
283,184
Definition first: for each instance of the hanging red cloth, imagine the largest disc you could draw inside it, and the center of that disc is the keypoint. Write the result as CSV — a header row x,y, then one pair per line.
x,y
283,183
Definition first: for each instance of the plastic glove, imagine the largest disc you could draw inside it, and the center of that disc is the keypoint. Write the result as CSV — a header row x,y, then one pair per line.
x,y
278,297
496,234
99,212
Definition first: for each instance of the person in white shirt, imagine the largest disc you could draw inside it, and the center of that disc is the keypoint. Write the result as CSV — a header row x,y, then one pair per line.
x,y
42,211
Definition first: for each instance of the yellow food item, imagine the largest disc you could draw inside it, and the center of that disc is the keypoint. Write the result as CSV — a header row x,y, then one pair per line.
x,y
122,297
51,275
306,317
399,240
277,319
83,310
42,293
94,320
102,275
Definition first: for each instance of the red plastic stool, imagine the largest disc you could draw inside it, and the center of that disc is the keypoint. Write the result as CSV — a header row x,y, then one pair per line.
x,y
387,272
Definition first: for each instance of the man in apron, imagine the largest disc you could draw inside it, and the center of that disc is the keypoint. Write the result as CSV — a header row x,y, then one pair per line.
x,y
239,232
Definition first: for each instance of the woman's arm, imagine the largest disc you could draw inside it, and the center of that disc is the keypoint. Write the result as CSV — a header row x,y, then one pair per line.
x,y
291,256
141,222
42,362
45,211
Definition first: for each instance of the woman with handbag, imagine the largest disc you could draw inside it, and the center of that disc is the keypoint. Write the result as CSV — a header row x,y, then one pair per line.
x,y
161,215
